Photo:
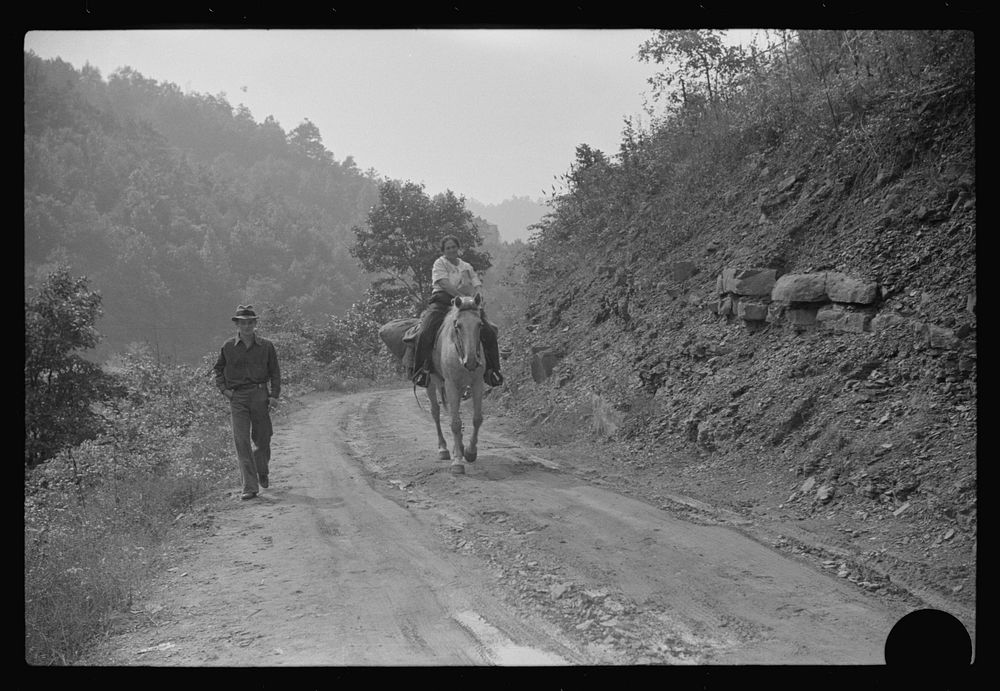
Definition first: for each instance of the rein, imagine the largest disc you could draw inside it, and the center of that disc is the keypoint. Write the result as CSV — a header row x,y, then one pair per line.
x,y
457,341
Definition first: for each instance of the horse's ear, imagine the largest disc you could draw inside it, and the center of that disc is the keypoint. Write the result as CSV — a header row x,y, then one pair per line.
x,y
457,301
479,299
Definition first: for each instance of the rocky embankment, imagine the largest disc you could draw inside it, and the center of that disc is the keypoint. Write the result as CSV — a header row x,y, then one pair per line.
x,y
798,344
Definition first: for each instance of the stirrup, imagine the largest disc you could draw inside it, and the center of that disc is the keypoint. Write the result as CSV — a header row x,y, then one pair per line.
x,y
420,378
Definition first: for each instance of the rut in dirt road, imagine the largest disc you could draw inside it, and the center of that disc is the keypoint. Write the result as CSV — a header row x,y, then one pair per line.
x,y
625,579
367,551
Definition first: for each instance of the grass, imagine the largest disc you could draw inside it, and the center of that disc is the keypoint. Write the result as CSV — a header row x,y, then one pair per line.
x,y
94,514
89,538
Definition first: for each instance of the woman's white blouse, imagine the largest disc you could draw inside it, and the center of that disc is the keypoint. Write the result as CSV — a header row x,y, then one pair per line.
x,y
462,275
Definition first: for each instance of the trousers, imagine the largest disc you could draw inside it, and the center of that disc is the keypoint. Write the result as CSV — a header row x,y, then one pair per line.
x,y
251,434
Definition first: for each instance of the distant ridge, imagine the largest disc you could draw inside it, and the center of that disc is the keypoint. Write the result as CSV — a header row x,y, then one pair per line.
x,y
512,216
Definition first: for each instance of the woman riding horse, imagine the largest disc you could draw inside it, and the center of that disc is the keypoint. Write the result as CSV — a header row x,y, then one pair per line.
x,y
452,277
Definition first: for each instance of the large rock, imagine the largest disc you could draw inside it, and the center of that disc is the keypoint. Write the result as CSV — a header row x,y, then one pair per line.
x,y
842,320
856,322
830,318
937,336
753,282
802,316
843,288
751,310
727,306
800,288
543,361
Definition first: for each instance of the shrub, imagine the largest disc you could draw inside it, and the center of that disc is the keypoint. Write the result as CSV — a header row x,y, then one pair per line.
x,y
94,513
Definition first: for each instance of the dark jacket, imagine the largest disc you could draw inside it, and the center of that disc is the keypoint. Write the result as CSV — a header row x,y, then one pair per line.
x,y
239,366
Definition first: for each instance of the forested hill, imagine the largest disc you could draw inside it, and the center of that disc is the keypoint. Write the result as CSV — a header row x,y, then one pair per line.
x,y
177,206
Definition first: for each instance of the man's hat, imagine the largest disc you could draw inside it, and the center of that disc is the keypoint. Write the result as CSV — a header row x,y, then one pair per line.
x,y
245,312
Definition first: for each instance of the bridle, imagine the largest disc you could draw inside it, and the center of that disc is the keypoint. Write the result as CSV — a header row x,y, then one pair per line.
x,y
459,345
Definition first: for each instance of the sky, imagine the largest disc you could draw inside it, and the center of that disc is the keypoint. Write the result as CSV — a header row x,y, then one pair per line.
x,y
487,113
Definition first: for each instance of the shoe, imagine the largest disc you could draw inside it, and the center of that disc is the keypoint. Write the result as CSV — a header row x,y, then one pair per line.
x,y
262,479
493,378
247,495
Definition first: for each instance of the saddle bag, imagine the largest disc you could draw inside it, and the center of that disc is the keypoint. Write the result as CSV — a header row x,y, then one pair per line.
x,y
400,337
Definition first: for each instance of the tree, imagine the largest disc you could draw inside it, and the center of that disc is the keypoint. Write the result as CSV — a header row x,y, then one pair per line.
x,y
695,52
401,238
306,139
703,65
59,385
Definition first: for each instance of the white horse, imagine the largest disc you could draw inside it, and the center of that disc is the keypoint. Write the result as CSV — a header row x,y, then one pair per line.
x,y
458,364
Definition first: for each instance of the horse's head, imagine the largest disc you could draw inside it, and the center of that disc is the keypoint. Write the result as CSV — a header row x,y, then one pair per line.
x,y
466,323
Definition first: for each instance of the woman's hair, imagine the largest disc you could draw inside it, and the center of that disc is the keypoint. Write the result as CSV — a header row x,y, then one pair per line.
x,y
446,238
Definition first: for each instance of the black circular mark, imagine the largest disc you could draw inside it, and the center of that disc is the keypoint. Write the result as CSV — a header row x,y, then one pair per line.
x,y
928,636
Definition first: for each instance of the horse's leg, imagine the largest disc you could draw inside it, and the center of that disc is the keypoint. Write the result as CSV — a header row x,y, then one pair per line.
x,y
477,420
458,453
432,394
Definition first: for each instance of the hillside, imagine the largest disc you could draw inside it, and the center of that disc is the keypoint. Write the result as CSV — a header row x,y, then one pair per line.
x,y
178,206
787,330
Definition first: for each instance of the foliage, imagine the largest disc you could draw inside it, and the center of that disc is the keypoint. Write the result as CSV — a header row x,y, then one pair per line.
x,y
806,79
504,286
95,513
292,334
351,344
402,234
168,199
60,387
307,140
722,103
704,67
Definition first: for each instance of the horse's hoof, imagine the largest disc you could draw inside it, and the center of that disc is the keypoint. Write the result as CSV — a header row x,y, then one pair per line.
x,y
457,469
470,456
444,455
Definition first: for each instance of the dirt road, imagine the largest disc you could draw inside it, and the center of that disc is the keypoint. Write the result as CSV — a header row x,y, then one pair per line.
x,y
367,551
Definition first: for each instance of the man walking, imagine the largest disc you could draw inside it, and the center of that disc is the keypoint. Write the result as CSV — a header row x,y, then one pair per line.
x,y
245,366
